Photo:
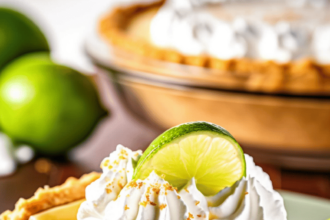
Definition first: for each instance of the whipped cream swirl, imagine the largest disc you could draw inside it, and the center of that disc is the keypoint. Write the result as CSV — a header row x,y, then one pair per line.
x,y
117,172
253,197
190,27
115,197
153,198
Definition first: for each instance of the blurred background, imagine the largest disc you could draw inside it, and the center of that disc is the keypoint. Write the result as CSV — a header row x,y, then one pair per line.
x,y
65,25
93,97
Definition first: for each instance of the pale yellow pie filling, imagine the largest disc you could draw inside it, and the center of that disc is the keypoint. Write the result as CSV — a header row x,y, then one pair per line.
x,y
64,212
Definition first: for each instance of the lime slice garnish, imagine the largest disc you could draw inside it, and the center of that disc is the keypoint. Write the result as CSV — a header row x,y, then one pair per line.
x,y
201,150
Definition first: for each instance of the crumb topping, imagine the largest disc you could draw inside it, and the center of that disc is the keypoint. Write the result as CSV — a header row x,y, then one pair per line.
x,y
143,203
169,187
190,216
123,153
162,206
120,185
105,163
131,184
121,157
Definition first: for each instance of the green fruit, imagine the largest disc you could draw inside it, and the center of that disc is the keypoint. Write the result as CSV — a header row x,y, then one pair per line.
x,y
18,35
200,150
46,105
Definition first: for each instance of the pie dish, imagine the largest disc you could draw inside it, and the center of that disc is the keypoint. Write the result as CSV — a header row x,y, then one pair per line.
x,y
47,198
129,31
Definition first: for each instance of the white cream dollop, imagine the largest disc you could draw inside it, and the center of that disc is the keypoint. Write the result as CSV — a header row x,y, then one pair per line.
x,y
321,44
195,201
115,197
117,172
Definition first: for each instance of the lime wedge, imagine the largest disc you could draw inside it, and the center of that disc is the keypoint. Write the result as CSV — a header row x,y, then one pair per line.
x,y
201,150
65,212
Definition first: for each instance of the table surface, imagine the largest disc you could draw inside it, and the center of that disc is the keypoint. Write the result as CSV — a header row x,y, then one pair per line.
x,y
124,128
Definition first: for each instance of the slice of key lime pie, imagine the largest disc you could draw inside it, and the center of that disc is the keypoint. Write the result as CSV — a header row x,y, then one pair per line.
x,y
192,171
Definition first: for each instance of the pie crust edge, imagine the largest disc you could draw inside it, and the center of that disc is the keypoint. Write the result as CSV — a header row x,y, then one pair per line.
x,y
45,198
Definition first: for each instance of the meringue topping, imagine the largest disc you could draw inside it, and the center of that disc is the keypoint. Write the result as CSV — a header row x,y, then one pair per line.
x,y
278,30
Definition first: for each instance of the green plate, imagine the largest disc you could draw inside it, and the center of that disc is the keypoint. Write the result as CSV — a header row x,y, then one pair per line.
x,y
303,207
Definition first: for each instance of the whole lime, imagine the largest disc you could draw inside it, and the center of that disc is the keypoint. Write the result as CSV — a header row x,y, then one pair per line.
x,y
18,35
48,106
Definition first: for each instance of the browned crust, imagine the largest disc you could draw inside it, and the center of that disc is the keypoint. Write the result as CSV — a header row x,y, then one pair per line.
x,y
45,198
303,75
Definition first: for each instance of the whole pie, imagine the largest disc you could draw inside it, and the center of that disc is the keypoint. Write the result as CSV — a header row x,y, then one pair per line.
x,y
264,46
